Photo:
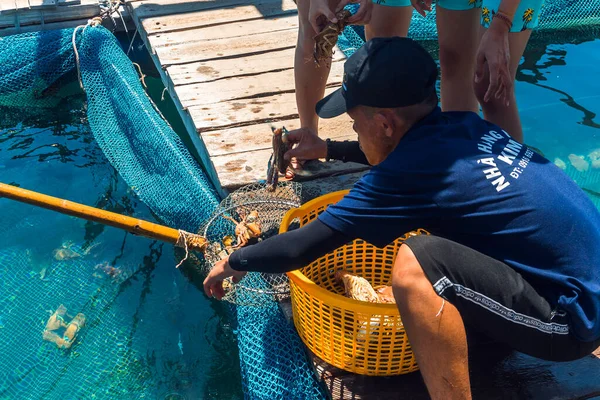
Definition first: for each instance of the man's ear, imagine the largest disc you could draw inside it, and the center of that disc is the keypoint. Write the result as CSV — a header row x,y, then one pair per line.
x,y
386,121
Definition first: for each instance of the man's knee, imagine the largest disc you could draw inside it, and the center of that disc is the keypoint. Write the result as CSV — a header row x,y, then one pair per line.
x,y
407,269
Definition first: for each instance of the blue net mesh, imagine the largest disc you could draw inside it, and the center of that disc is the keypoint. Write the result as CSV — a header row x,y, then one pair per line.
x,y
32,65
137,141
106,368
156,165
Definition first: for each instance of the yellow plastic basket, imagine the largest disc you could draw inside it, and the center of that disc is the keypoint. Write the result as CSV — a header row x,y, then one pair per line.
x,y
360,337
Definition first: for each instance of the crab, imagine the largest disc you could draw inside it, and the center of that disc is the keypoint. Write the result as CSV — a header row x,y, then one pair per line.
x,y
358,288
277,164
328,37
245,230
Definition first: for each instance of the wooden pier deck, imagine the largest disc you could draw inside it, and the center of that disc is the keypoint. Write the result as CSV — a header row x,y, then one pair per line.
x,y
228,66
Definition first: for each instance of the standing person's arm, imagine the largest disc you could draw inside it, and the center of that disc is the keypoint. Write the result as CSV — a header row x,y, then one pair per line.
x,y
494,53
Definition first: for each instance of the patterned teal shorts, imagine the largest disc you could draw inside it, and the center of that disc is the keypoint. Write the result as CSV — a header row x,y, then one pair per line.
x,y
526,16
393,3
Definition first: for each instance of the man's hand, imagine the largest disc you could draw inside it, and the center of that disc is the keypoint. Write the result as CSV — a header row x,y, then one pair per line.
x,y
213,284
309,146
422,6
494,54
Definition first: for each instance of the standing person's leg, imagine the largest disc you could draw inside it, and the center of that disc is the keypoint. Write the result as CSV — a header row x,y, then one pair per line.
x,y
496,111
458,36
310,78
389,18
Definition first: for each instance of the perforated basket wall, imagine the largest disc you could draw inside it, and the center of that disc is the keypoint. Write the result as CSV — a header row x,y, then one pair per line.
x,y
360,337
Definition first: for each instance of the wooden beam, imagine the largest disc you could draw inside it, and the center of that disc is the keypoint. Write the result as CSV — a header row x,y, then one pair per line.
x,y
253,86
227,48
242,30
218,16
206,71
59,14
233,113
45,27
156,8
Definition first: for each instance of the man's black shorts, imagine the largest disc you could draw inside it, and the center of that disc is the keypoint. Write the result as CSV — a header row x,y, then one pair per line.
x,y
495,300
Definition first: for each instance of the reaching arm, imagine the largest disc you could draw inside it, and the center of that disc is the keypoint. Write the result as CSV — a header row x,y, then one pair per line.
x,y
280,253
288,251
346,151
310,147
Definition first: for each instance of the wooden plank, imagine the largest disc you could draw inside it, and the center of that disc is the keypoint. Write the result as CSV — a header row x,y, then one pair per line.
x,y
235,170
156,8
12,6
258,137
36,4
226,48
21,4
242,30
68,2
245,112
211,17
45,27
7,6
247,86
31,17
206,71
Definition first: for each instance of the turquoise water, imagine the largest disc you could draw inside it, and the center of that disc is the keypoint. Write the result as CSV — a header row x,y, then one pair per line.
x,y
559,98
150,331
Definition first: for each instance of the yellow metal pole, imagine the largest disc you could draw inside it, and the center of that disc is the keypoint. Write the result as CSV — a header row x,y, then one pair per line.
x,y
133,225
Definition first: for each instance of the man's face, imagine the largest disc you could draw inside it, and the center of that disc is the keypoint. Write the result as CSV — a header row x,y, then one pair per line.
x,y
374,133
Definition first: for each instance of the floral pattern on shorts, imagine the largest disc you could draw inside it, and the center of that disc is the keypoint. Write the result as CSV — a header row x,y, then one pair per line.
x,y
523,20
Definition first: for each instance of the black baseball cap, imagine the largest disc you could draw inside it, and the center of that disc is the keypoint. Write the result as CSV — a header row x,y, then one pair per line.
x,y
385,73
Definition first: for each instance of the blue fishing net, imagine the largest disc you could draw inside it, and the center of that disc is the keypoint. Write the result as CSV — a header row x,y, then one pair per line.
x,y
156,165
137,141
32,65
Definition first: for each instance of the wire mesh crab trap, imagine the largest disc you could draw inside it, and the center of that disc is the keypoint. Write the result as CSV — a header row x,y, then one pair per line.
x,y
249,215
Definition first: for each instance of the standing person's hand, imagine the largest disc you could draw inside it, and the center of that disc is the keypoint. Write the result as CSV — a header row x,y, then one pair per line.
x,y
363,15
320,13
494,55
309,146
422,6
